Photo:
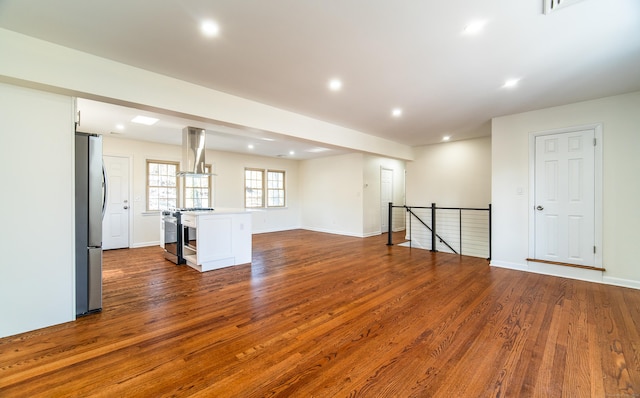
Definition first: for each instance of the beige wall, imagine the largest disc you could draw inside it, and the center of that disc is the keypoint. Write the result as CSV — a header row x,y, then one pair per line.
x,y
341,194
620,118
452,174
331,194
229,188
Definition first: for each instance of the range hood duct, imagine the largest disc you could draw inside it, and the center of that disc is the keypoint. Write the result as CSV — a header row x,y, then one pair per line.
x,y
193,149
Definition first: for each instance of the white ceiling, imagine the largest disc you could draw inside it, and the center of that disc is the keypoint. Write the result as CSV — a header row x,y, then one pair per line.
x,y
408,53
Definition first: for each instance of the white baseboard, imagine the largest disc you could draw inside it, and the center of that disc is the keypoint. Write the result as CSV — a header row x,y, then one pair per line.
x,y
581,274
145,244
609,280
504,264
568,272
334,232
414,245
266,231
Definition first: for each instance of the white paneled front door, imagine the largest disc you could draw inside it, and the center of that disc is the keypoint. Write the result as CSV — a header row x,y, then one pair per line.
x,y
115,226
565,197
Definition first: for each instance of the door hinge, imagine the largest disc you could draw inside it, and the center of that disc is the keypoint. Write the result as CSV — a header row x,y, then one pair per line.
x,y
594,250
594,142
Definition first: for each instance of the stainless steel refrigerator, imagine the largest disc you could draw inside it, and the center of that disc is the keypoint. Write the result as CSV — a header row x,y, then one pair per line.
x,y
90,195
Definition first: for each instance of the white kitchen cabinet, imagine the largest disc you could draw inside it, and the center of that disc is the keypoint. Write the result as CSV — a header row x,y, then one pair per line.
x,y
222,238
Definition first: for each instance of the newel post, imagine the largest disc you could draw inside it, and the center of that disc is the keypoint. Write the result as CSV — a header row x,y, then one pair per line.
x,y
389,228
433,227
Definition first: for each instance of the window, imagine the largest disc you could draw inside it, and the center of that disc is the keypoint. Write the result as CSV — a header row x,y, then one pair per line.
x,y
197,190
256,185
162,185
254,188
275,188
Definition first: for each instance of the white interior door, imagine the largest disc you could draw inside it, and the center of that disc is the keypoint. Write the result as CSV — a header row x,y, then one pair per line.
x,y
115,226
565,197
386,196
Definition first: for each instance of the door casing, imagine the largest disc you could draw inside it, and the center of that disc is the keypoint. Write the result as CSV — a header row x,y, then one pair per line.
x,y
128,227
597,128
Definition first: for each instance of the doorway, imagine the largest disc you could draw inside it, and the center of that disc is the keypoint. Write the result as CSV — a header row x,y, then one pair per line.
x,y
115,225
565,216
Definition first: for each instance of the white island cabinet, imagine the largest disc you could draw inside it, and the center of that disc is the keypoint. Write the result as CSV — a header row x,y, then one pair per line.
x,y
216,239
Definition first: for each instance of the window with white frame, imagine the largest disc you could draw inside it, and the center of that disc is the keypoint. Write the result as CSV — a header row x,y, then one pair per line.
x,y
264,188
275,188
197,190
253,188
162,185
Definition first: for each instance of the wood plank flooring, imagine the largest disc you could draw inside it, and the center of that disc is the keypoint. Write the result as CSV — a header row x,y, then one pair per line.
x,y
320,315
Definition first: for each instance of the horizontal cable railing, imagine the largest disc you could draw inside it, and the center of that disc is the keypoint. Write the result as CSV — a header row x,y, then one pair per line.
x,y
458,230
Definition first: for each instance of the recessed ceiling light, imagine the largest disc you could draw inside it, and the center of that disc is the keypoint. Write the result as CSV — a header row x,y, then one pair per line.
x,y
474,27
120,126
250,146
209,28
144,120
511,83
396,112
318,150
446,138
292,153
335,85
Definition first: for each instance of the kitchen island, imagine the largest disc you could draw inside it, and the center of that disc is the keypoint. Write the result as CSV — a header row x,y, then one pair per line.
x,y
217,238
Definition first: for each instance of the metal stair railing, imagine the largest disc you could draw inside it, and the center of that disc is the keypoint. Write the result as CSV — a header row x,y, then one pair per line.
x,y
472,226
431,229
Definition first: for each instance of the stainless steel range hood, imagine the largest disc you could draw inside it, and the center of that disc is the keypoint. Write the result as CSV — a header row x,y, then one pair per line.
x,y
193,149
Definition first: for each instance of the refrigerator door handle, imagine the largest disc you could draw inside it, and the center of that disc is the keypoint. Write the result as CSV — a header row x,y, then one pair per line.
x,y
96,187
105,189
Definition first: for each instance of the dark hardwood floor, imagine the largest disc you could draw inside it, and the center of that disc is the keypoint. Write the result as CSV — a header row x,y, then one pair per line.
x,y
320,315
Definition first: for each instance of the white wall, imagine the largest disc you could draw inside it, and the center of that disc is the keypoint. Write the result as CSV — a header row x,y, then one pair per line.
x,y
620,116
341,194
228,186
37,271
331,194
452,174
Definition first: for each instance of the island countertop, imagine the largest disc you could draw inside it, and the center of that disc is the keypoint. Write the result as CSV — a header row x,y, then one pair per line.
x,y
216,238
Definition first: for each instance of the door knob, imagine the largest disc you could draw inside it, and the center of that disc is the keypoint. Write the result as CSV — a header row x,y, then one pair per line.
x,y
539,208
125,207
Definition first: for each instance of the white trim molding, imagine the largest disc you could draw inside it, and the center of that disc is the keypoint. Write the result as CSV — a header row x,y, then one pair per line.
x,y
598,185
609,280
